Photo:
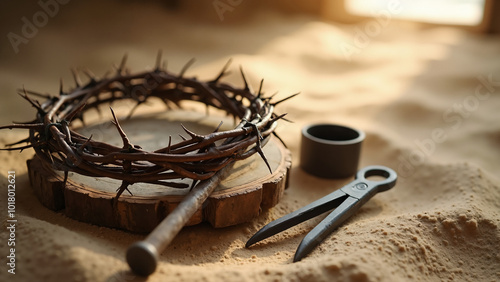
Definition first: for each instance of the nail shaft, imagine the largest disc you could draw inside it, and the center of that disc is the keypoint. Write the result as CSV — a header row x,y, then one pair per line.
x,y
142,256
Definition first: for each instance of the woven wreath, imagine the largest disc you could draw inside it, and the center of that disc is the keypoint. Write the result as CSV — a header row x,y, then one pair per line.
x,y
197,157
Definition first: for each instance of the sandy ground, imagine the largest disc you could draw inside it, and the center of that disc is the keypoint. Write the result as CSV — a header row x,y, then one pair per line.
x,y
427,99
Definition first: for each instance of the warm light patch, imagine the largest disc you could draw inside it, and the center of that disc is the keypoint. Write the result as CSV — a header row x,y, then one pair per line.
x,y
455,12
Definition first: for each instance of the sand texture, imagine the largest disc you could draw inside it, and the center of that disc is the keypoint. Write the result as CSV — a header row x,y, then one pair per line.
x,y
427,98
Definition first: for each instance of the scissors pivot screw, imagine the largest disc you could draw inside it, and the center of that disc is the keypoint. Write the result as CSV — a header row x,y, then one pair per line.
x,y
361,186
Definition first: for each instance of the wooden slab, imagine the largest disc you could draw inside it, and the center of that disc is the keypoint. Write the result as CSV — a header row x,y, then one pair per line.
x,y
248,189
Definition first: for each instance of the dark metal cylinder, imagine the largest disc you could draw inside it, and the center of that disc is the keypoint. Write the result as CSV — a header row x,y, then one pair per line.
x,y
330,151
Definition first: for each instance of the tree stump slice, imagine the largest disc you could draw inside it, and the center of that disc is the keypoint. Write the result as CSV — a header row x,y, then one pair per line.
x,y
248,189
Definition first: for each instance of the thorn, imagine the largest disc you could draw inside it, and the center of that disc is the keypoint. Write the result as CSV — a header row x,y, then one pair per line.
x,y
277,118
35,126
133,110
223,72
79,117
218,127
106,74
17,148
191,133
61,92
279,138
34,103
45,96
76,112
167,104
263,156
121,68
82,147
283,100
26,140
65,178
271,97
258,146
51,159
25,123
90,75
122,188
257,131
259,94
76,77
244,78
186,66
183,138
66,131
126,141
193,184
172,184
169,143
158,60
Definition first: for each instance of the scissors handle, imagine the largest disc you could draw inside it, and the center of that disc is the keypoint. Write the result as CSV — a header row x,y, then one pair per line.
x,y
363,188
378,170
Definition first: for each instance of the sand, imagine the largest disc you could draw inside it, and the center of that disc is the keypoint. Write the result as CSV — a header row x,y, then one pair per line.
x,y
427,98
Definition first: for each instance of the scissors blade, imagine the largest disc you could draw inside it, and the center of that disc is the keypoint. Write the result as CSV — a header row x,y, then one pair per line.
x,y
326,227
314,209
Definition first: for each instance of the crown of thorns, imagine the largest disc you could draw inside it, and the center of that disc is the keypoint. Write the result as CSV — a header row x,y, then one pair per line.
x,y
197,157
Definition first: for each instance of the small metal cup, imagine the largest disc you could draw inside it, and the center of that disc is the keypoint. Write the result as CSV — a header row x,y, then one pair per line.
x,y
330,151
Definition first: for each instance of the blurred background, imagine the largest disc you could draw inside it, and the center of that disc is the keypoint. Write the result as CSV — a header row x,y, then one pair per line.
x,y
42,40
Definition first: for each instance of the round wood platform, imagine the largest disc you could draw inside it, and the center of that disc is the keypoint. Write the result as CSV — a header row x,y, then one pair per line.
x,y
248,189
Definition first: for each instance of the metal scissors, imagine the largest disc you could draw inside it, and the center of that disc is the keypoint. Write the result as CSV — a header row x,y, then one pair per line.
x,y
345,202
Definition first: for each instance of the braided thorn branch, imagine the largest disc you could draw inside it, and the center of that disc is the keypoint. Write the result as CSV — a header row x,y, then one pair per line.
x,y
197,157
